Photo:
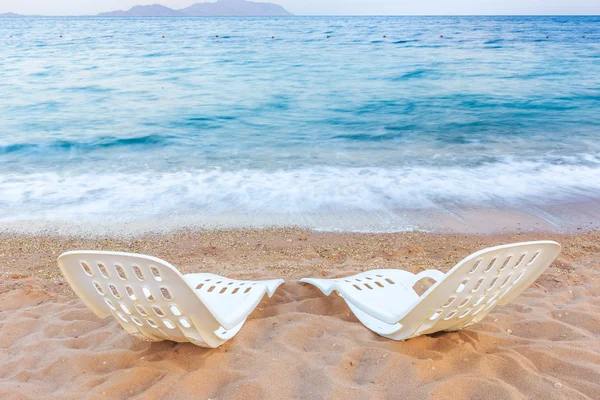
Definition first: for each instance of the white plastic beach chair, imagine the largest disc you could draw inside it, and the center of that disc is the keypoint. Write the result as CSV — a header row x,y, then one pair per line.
x,y
386,303
153,301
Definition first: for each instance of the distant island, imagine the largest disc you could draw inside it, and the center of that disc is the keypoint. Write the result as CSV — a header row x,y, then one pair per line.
x,y
9,14
221,8
155,10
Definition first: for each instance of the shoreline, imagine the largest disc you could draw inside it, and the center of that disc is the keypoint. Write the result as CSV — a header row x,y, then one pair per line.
x,y
572,217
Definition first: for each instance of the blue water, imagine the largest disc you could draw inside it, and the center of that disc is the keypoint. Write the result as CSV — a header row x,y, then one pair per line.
x,y
114,123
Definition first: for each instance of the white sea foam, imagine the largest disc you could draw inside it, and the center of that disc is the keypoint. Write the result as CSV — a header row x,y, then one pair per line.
x,y
304,197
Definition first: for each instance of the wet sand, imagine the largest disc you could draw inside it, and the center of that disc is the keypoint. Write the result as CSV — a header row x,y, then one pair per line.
x,y
300,344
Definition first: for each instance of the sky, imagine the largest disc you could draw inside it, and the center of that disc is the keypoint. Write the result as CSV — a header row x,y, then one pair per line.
x,y
329,7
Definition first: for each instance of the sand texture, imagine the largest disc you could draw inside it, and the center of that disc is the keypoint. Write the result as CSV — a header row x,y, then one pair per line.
x,y
301,344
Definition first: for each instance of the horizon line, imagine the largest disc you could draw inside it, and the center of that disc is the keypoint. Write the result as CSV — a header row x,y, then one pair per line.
x,y
302,15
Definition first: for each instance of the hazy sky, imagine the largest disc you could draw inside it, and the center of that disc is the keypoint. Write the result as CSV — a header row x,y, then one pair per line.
x,y
327,7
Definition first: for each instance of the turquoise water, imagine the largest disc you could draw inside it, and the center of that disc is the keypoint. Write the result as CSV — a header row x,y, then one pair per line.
x,y
114,123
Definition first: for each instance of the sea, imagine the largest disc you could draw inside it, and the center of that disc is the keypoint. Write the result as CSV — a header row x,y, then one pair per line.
x,y
368,124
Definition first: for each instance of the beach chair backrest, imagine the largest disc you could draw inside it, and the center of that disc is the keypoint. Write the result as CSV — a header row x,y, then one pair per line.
x,y
146,295
475,285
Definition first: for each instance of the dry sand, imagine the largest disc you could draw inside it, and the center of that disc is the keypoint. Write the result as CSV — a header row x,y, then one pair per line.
x,y
300,344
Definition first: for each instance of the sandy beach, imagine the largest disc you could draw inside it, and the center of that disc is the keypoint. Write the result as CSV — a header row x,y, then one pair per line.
x,y
300,344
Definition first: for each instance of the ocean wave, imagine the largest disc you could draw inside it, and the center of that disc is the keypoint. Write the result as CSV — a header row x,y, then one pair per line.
x,y
296,194
417,73
86,145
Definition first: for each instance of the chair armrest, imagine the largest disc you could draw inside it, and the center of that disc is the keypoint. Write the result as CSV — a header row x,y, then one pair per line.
x,y
430,273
